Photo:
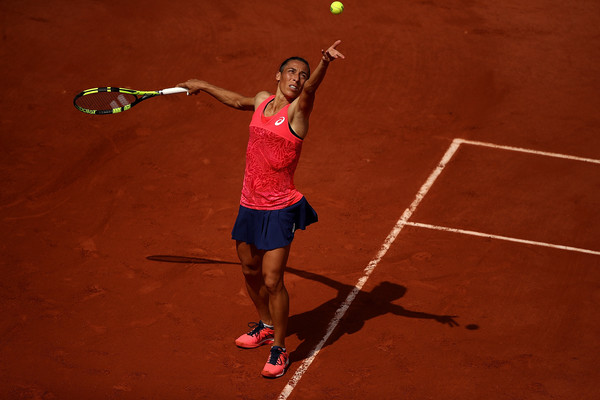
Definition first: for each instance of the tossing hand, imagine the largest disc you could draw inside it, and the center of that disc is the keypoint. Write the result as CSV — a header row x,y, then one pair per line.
x,y
332,53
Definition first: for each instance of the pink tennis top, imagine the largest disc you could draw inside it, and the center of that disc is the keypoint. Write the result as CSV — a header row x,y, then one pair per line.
x,y
271,159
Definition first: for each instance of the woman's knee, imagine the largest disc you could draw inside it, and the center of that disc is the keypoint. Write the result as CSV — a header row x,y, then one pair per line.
x,y
273,268
251,271
273,283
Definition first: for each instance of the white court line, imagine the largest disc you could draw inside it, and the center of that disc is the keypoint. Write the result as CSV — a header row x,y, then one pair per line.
x,y
403,221
522,150
287,390
509,239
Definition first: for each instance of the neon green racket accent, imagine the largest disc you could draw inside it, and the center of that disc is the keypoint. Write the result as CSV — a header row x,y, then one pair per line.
x,y
113,100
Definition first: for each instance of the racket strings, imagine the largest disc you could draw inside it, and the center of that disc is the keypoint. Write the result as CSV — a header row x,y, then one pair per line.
x,y
105,100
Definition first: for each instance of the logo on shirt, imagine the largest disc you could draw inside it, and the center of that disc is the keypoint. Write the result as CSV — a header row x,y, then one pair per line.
x,y
279,121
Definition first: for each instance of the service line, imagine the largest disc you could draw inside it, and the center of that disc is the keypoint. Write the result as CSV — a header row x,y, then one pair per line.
x,y
506,238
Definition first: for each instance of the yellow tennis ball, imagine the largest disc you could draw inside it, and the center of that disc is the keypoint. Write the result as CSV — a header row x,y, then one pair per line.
x,y
336,7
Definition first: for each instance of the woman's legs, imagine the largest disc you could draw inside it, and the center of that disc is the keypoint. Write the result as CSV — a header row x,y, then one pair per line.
x,y
273,267
251,259
263,272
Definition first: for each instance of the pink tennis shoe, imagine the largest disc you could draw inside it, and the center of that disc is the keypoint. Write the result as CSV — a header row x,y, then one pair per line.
x,y
258,336
277,363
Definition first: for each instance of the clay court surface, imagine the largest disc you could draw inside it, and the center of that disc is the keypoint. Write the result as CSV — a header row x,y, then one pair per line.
x,y
469,270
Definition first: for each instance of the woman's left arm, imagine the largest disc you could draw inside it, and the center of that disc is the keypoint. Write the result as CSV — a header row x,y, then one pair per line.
x,y
304,103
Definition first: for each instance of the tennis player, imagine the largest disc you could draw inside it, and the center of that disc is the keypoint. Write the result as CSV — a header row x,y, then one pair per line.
x,y
271,208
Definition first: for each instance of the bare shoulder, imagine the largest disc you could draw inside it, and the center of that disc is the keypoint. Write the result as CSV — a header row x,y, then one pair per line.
x,y
260,97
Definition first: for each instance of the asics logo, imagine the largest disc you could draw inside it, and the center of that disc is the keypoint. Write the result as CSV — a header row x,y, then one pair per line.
x,y
279,121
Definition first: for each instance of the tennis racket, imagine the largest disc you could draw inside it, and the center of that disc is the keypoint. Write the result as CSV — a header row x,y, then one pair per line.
x,y
112,100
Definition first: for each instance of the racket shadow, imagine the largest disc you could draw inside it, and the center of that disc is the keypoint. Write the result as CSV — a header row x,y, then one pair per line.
x,y
188,260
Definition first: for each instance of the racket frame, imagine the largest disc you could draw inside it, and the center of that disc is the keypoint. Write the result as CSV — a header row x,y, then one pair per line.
x,y
140,95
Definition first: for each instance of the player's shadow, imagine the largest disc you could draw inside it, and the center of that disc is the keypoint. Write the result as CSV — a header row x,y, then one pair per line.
x,y
311,326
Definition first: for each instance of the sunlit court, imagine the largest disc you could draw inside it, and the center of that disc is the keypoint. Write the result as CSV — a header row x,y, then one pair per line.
x,y
518,300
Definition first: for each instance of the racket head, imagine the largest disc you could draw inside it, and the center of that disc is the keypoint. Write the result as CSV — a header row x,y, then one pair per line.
x,y
109,100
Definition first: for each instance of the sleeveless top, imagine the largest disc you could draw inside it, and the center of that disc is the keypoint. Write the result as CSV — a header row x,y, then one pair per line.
x,y
271,159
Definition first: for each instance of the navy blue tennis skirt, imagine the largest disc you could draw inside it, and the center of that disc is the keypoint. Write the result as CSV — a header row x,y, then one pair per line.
x,y
272,229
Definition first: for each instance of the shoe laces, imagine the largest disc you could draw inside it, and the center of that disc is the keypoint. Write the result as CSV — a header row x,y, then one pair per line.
x,y
275,357
256,328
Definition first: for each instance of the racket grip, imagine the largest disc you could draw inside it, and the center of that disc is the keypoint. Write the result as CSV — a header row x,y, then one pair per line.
x,y
173,90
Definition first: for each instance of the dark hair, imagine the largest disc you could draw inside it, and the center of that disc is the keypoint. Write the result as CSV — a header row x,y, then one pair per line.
x,y
294,59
